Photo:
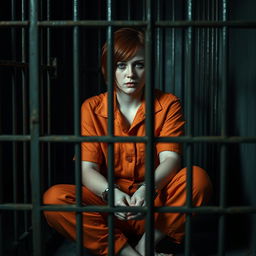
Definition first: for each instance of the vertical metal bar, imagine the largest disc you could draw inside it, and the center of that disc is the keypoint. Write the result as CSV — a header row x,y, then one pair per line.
x,y
42,58
216,57
34,126
173,50
189,116
1,180
24,115
110,127
159,50
99,49
144,9
223,150
1,185
14,123
48,53
149,47
129,9
76,76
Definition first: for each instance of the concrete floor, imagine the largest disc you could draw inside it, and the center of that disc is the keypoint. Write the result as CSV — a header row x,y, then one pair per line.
x,y
68,248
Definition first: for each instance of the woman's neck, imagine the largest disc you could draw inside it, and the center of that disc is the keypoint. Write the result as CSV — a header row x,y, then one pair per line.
x,y
126,101
128,106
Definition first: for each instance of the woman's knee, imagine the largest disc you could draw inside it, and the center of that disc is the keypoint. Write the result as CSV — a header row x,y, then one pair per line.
x,y
201,180
55,195
202,186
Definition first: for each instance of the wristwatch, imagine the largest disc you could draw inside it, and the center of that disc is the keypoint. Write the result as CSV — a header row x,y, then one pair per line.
x,y
104,194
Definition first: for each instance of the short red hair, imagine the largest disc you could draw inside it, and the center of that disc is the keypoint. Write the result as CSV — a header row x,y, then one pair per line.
x,y
127,41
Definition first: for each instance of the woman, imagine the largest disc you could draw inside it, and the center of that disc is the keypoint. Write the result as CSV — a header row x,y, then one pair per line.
x,y
129,160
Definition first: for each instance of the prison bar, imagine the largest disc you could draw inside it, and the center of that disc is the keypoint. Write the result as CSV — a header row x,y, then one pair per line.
x,y
34,127
173,49
51,67
121,23
1,192
189,81
181,139
14,120
76,82
223,149
24,117
150,79
182,209
110,80
48,82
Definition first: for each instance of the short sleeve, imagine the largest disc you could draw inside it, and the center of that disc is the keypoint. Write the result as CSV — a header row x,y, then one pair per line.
x,y
173,126
90,151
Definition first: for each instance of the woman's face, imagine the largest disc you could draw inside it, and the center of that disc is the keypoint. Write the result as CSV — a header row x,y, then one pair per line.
x,y
130,74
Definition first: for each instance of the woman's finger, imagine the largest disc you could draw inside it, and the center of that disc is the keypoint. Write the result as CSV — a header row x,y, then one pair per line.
x,y
121,216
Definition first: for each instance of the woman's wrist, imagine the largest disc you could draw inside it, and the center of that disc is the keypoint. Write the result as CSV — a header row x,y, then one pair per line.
x,y
104,194
145,185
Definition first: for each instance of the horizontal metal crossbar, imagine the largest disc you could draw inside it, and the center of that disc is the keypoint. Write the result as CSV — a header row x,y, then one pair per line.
x,y
180,139
182,209
120,23
23,65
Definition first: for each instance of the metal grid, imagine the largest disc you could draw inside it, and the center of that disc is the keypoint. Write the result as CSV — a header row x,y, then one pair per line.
x,y
34,139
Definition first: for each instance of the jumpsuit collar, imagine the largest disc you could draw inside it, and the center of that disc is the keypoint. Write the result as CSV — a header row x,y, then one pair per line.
x,y
102,108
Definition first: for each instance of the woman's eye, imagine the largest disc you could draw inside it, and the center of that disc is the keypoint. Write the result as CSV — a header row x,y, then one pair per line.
x,y
121,65
140,65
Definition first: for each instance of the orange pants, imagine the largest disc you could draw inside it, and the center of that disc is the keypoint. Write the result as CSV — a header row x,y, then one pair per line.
x,y
95,230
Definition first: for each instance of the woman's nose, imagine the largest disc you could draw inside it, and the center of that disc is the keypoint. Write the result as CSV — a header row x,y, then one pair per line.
x,y
130,71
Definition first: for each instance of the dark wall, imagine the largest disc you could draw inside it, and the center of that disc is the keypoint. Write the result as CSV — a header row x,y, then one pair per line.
x,y
242,121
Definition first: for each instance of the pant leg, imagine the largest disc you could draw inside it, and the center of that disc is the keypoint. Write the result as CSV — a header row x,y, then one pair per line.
x,y
174,194
95,230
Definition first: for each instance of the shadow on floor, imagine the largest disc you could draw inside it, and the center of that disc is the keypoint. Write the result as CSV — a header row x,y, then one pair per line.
x,y
204,242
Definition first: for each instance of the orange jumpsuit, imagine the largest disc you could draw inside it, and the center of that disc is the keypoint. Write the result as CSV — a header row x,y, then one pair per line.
x,y
129,161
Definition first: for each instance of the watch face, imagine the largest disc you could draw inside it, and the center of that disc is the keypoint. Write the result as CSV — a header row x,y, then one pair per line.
x,y
105,195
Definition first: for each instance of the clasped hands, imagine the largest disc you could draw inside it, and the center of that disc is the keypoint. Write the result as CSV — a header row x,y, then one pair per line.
x,y
123,199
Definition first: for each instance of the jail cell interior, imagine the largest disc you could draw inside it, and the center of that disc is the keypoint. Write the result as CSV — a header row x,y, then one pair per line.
x,y
202,51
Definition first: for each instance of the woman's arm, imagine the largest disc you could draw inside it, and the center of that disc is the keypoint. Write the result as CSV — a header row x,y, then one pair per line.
x,y
168,167
92,178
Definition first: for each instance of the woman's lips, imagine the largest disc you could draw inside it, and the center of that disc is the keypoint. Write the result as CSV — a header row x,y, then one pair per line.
x,y
130,84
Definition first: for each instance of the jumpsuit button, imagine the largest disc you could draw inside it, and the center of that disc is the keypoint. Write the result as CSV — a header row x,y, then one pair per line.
x,y
129,159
